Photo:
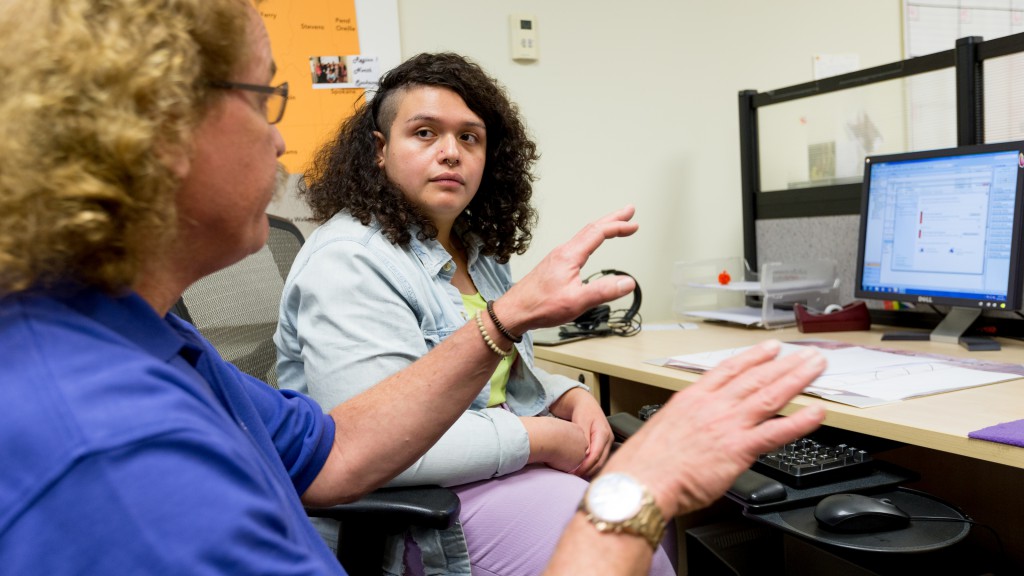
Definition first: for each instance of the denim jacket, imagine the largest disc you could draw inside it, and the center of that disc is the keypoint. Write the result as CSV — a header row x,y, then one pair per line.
x,y
356,309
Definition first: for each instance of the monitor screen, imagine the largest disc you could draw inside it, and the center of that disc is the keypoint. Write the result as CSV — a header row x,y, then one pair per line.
x,y
943,227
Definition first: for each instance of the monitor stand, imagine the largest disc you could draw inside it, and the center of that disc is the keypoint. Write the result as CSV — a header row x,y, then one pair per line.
x,y
951,330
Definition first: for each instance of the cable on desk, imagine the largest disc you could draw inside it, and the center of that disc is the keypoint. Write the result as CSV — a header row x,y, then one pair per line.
x,y
623,322
623,326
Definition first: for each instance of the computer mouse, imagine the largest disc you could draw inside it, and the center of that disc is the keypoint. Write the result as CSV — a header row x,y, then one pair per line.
x,y
856,513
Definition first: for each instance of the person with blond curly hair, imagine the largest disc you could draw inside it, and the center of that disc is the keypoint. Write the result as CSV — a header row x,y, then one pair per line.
x,y
138,153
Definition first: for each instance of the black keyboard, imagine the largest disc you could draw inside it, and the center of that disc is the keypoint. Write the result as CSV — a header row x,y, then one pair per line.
x,y
825,457
807,463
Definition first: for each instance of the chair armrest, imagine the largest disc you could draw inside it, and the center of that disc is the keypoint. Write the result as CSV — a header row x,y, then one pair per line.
x,y
426,506
624,425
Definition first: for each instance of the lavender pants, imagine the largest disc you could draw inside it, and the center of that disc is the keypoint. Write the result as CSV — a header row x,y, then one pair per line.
x,y
513,523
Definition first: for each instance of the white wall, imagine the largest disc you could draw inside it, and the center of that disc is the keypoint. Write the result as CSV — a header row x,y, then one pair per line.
x,y
636,102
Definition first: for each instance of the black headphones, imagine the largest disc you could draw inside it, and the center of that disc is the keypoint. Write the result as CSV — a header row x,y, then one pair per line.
x,y
601,320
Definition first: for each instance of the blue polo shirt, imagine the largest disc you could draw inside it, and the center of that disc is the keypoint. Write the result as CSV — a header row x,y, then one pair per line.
x,y
128,446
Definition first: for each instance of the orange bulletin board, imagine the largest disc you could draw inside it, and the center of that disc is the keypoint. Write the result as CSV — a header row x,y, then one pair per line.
x,y
301,30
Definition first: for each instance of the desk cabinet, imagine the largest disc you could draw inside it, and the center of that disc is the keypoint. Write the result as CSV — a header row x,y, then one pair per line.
x,y
584,376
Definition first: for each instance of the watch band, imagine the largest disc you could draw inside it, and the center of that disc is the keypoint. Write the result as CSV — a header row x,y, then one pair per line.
x,y
648,522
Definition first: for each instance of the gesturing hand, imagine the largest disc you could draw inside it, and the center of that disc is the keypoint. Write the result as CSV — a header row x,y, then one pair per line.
x,y
553,293
696,445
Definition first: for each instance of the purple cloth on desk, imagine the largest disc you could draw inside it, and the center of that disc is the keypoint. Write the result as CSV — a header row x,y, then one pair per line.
x,y
1005,433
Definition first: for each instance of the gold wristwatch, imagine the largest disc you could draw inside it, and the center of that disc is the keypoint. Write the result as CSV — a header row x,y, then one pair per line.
x,y
617,503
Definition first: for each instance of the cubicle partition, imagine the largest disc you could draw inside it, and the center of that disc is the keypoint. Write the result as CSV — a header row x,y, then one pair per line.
x,y
802,150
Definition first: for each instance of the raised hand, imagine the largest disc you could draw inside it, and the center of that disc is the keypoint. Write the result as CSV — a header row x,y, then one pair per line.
x,y
553,292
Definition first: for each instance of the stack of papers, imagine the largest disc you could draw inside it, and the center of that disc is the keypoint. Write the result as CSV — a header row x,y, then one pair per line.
x,y
865,377
747,316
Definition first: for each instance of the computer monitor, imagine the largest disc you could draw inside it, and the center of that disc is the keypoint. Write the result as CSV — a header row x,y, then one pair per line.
x,y
944,227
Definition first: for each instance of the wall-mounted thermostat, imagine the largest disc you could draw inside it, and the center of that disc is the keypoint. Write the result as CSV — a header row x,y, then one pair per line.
x,y
523,32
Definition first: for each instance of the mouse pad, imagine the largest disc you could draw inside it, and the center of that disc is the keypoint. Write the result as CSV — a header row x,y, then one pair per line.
x,y
920,536
1006,433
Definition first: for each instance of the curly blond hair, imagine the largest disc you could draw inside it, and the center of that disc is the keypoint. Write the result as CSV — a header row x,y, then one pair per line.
x,y
96,97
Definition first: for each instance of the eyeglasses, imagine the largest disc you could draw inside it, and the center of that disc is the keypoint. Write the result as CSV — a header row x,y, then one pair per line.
x,y
277,96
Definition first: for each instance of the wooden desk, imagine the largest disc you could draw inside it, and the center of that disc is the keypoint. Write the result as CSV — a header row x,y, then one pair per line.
x,y
985,478
939,422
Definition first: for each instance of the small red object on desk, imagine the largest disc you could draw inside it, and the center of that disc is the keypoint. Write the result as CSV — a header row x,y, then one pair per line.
x,y
853,316
724,278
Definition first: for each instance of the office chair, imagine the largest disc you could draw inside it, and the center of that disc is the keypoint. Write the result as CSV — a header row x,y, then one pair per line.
x,y
236,309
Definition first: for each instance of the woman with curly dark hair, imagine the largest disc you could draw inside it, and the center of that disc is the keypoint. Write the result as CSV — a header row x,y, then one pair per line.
x,y
423,196
346,174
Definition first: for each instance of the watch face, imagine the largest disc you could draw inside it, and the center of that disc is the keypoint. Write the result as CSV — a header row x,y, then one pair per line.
x,y
614,497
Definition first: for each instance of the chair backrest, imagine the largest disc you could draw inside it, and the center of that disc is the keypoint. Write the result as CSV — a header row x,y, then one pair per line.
x,y
236,308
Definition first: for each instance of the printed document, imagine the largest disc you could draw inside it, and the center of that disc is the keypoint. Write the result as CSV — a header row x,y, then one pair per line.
x,y
865,377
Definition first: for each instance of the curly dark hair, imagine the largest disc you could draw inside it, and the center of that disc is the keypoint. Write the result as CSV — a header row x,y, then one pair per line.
x,y
344,174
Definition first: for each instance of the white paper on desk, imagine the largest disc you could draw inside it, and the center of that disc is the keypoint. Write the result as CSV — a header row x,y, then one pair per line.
x,y
862,377
746,316
703,361
909,382
670,327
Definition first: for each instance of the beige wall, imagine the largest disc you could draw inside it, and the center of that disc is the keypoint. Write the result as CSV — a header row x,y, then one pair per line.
x,y
635,102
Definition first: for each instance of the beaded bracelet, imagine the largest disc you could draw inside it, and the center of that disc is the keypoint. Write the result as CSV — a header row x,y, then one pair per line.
x,y
487,338
501,327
